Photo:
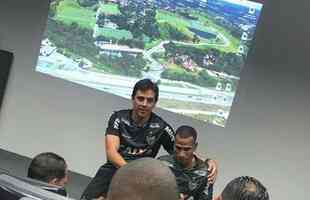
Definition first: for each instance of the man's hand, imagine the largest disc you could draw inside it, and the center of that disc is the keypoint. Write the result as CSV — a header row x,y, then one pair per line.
x,y
101,198
213,170
135,151
183,196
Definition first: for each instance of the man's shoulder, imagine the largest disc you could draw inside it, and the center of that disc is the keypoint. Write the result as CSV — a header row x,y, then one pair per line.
x,y
122,112
201,163
118,118
157,118
157,122
201,167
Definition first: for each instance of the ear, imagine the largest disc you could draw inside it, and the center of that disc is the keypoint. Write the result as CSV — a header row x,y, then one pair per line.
x,y
53,181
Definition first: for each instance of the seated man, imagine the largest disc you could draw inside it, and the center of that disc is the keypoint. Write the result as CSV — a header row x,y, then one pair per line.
x,y
244,188
190,171
143,179
52,169
133,134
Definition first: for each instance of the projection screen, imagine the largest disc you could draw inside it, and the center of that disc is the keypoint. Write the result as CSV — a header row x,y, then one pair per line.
x,y
194,49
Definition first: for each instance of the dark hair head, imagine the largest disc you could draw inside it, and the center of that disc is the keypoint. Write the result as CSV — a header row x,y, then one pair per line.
x,y
145,178
47,166
245,188
186,132
143,85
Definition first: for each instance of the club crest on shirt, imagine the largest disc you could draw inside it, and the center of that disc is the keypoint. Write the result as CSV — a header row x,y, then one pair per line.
x,y
150,139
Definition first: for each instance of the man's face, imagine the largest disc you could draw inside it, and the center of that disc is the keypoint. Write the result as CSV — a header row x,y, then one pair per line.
x,y
143,103
184,150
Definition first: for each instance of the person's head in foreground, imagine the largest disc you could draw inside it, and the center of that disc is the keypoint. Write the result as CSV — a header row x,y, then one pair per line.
x,y
143,179
50,168
244,188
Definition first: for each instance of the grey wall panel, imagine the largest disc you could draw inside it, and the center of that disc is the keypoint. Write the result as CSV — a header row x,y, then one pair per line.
x,y
6,59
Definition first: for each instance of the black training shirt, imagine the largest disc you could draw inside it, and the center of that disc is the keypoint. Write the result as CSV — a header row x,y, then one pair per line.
x,y
133,138
192,182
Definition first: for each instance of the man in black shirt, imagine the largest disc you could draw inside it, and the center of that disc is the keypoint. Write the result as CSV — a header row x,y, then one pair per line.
x,y
190,171
133,134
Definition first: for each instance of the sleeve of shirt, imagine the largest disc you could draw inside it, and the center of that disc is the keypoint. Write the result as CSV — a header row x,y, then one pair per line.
x,y
113,125
168,138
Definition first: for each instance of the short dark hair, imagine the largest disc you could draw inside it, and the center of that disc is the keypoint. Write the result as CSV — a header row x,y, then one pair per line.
x,y
186,132
143,85
47,166
144,178
245,188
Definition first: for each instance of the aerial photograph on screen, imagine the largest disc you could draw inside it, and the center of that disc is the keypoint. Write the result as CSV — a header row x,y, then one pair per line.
x,y
194,49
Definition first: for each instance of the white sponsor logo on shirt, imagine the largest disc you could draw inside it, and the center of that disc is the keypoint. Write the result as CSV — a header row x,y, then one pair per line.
x,y
154,125
170,132
126,122
116,123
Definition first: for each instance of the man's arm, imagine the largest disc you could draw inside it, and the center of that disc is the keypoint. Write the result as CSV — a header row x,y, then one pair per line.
x,y
112,143
168,139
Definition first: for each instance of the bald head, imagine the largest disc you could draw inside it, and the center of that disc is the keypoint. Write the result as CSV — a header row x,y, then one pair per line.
x,y
143,179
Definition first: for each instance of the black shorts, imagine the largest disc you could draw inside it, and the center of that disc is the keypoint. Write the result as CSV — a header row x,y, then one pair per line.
x,y
99,185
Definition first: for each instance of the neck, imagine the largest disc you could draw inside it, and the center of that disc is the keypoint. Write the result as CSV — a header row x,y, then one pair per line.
x,y
190,164
139,120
